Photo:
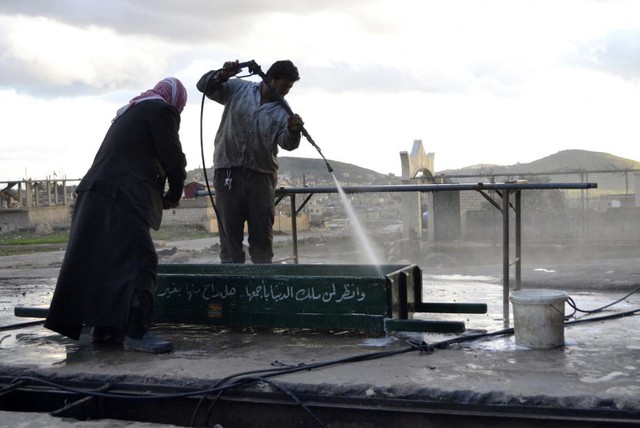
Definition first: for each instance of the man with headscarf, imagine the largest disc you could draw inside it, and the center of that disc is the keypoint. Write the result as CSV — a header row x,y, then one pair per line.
x,y
108,276
254,125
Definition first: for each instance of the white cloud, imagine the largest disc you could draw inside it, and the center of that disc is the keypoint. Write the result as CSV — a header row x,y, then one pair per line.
x,y
494,81
44,136
47,58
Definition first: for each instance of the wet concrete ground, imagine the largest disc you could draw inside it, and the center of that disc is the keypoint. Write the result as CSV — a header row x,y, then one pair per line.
x,y
598,368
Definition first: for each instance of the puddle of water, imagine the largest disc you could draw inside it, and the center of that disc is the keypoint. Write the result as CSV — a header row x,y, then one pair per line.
x,y
33,348
380,342
463,278
504,343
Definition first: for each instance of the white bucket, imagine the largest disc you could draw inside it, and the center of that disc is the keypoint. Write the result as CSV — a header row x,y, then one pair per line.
x,y
538,317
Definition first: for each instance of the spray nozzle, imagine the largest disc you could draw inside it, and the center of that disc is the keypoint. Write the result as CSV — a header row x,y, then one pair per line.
x,y
328,166
251,65
313,143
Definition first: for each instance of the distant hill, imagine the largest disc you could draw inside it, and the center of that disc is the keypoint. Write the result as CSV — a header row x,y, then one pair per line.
x,y
563,161
583,160
560,162
560,167
318,168
314,170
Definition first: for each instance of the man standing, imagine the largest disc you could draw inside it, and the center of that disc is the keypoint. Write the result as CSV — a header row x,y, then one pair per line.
x,y
108,276
253,125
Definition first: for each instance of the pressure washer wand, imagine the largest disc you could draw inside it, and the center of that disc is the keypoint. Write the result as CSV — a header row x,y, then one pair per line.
x,y
254,68
313,143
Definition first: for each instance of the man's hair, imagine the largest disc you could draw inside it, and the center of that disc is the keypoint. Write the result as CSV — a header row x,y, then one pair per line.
x,y
283,70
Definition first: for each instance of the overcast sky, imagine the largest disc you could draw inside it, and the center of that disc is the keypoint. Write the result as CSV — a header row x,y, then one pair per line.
x,y
477,81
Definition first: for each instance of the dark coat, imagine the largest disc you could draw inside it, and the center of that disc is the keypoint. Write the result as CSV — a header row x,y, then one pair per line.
x,y
110,251
140,152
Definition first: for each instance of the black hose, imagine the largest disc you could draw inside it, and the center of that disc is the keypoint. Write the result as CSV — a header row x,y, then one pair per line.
x,y
222,382
21,325
275,385
222,233
605,317
572,304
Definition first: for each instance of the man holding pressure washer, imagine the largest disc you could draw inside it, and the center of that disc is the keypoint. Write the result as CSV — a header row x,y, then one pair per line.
x,y
253,125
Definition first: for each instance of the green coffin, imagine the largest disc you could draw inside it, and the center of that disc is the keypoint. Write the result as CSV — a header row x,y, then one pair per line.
x,y
363,297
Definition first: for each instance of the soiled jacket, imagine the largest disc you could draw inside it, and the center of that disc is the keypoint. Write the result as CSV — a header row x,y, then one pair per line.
x,y
140,153
249,133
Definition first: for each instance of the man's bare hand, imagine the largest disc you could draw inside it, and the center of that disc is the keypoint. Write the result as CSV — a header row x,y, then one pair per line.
x,y
230,69
295,123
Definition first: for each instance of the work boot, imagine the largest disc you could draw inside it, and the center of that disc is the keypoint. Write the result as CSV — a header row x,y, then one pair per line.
x,y
147,343
106,335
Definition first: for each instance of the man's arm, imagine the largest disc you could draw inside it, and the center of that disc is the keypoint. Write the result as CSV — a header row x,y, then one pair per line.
x,y
212,80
